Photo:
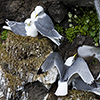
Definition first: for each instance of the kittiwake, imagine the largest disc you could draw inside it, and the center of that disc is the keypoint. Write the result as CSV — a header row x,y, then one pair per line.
x,y
26,28
45,26
30,28
67,73
78,68
89,51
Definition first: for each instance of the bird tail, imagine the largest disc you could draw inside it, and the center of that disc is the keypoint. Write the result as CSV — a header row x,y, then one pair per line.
x,y
6,27
7,21
57,35
56,41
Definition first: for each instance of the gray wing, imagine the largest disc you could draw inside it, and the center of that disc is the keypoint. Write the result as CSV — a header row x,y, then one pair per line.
x,y
46,28
79,67
60,66
18,28
79,84
49,62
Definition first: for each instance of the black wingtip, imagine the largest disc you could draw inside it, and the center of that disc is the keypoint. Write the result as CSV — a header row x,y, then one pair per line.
x,y
40,72
94,84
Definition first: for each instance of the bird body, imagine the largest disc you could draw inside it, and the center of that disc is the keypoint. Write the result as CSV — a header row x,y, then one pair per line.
x,y
45,25
67,73
26,28
30,28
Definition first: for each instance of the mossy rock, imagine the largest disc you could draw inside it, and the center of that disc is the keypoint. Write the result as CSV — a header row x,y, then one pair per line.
x,y
21,57
80,95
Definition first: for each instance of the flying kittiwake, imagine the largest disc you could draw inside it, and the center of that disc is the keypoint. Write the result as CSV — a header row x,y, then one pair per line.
x,y
67,73
78,68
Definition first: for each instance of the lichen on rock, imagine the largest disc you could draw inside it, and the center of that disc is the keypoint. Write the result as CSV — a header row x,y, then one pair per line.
x,y
21,58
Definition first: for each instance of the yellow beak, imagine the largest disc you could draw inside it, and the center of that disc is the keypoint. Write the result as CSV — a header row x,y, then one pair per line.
x,y
75,55
28,24
36,15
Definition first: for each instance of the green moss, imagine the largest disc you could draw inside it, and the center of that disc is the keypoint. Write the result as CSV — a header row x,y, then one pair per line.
x,y
59,28
86,24
4,34
89,24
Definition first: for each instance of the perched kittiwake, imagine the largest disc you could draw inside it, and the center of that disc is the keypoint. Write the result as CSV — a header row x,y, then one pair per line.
x,y
89,51
45,26
67,73
26,28
79,84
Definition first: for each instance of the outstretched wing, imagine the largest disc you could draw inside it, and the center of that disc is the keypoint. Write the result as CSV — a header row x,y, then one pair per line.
x,y
17,27
60,66
49,62
79,67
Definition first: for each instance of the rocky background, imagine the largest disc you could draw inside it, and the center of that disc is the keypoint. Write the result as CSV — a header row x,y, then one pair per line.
x,y
19,10
21,57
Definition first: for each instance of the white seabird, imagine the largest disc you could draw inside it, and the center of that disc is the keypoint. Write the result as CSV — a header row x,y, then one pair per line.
x,y
45,26
66,73
26,28
89,51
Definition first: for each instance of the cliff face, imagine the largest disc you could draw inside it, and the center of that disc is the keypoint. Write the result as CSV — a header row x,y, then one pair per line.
x,y
21,57
19,10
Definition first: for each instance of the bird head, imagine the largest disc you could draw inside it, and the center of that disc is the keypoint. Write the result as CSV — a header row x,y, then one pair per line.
x,y
69,61
38,10
28,21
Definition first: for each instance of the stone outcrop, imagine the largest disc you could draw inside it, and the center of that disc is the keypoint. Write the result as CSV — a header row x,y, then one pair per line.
x,y
21,57
19,10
